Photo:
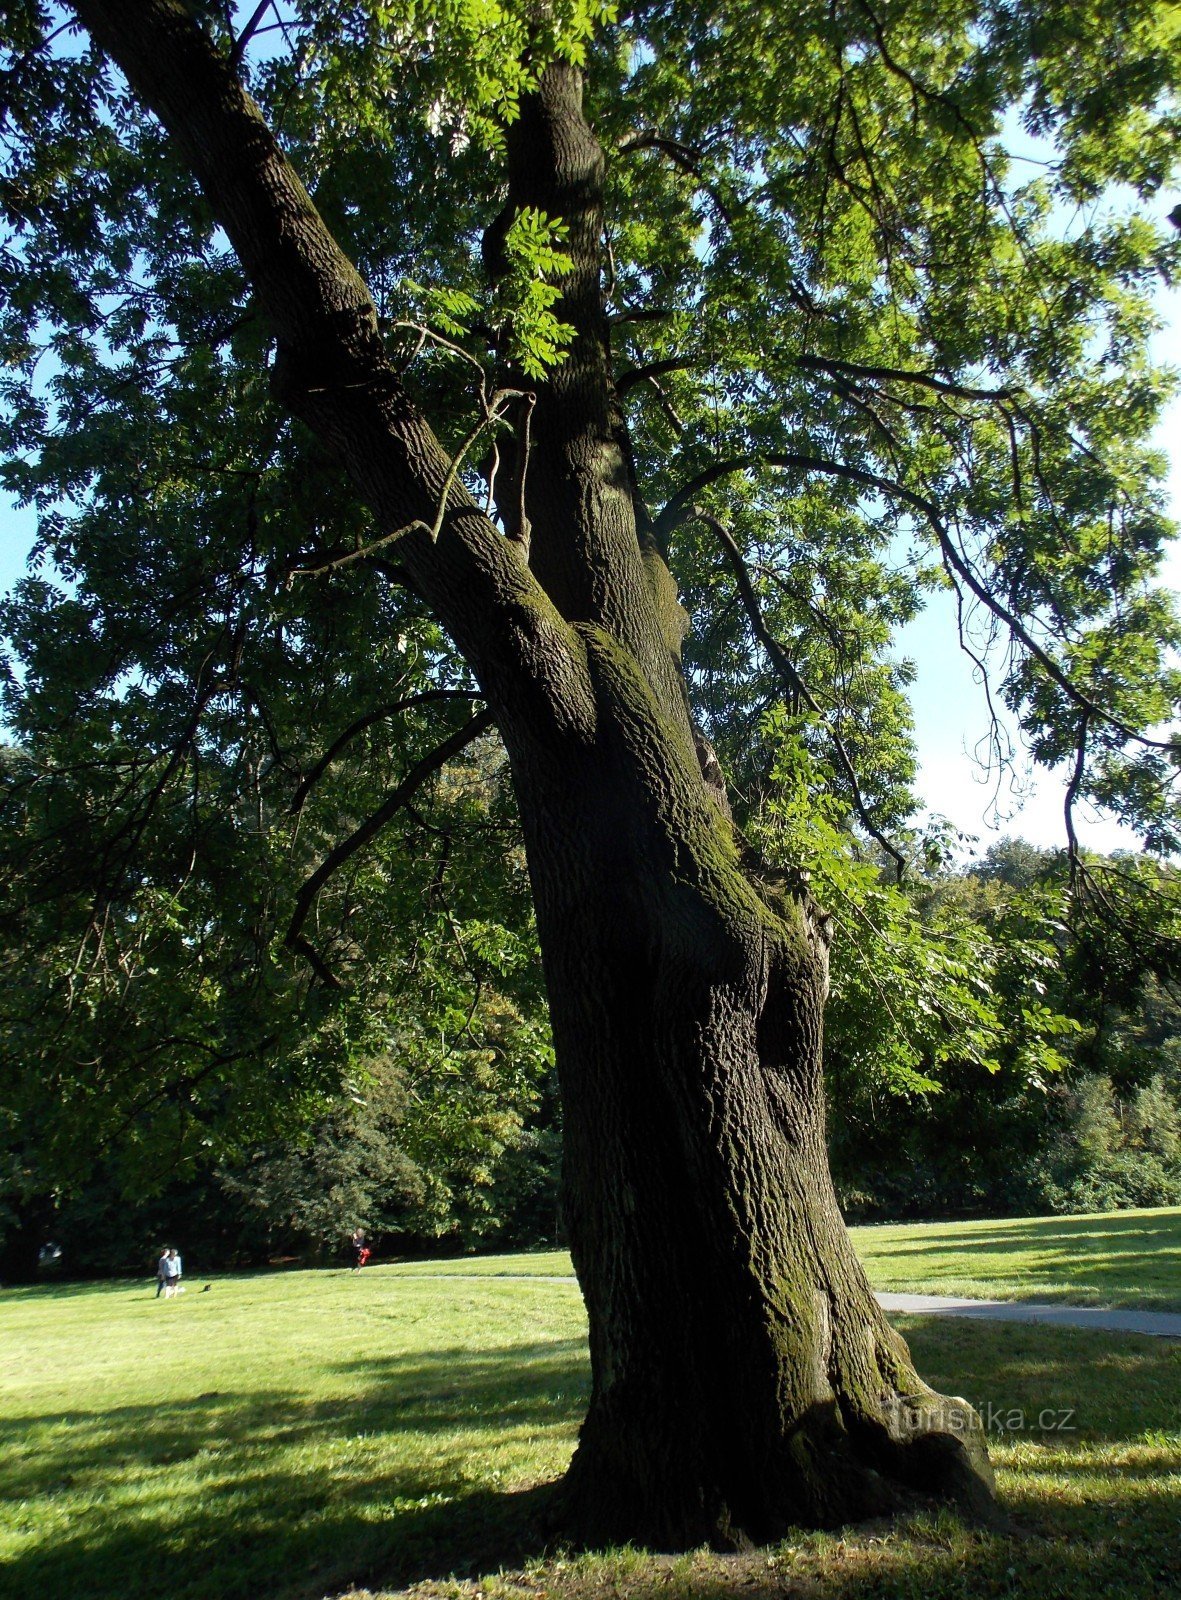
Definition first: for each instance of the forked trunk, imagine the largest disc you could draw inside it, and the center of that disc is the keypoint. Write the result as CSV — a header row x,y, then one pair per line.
x,y
744,1377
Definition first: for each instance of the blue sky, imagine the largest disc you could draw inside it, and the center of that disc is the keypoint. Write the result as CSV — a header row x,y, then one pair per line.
x,y
951,716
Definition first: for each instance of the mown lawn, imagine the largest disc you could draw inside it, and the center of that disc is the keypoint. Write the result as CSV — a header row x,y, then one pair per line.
x,y
296,1434
1124,1258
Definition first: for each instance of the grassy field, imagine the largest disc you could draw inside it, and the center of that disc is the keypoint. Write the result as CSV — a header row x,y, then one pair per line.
x,y
1125,1258
286,1437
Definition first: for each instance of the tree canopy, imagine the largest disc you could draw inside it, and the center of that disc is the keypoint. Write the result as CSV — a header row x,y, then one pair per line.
x,y
879,281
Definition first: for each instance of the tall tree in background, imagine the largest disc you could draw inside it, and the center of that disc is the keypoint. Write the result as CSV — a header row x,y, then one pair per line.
x,y
628,373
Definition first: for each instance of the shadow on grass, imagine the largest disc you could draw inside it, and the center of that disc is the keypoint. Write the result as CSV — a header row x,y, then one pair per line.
x,y
440,1393
50,1289
265,1496
143,1284
1133,1260
929,1560
1091,1235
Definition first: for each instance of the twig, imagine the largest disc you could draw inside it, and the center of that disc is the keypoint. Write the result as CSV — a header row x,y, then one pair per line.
x,y
295,938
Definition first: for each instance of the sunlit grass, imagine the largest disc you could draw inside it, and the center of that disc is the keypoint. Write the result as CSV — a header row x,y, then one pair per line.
x,y
1122,1258
290,1435
273,1429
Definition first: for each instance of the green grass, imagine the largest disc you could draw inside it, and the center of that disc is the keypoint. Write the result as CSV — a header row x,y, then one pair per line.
x,y
294,1434
1122,1258
529,1264
284,1426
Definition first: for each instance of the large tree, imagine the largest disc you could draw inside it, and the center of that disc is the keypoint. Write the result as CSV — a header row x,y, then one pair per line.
x,y
635,368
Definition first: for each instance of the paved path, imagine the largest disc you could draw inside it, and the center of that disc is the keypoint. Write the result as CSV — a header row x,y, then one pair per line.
x,y
1165,1324
1162,1324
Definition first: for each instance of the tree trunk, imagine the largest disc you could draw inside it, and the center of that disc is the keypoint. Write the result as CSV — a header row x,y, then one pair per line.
x,y
744,1378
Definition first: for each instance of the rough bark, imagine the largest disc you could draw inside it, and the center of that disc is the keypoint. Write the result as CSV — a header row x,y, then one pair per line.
x,y
744,1378
332,371
582,502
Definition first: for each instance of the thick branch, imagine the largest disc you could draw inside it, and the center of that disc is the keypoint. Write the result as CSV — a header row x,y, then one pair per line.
x,y
311,292
369,829
332,369
585,547
249,30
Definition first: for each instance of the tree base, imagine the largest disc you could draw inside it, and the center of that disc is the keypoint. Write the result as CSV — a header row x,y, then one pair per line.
x,y
923,1449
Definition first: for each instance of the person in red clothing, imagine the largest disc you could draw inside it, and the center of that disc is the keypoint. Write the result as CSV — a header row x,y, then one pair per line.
x,y
361,1251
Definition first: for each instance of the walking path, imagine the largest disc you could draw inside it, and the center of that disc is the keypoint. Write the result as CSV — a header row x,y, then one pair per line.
x,y
1165,1324
1162,1324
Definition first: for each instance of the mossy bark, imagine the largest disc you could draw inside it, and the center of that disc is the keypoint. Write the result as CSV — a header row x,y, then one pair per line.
x,y
744,1378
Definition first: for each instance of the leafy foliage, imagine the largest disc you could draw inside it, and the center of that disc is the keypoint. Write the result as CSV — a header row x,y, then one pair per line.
x,y
1091,1124
917,981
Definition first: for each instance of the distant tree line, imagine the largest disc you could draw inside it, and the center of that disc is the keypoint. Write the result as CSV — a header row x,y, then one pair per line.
x,y
1037,1069
160,1082
1101,1130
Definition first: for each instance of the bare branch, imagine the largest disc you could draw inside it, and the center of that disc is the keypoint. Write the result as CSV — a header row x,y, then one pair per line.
x,y
295,938
631,376
687,159
677,422
520,534
954,560
641,314
791,676
249,31
651,140
1072,790
999,740
331,560
316,772
926,380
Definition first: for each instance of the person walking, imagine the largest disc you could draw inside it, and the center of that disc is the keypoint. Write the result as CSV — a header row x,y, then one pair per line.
x,y
172,1268
162,1272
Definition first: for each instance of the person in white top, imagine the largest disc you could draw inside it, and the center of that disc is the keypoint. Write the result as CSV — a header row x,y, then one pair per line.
x,y
172,1274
